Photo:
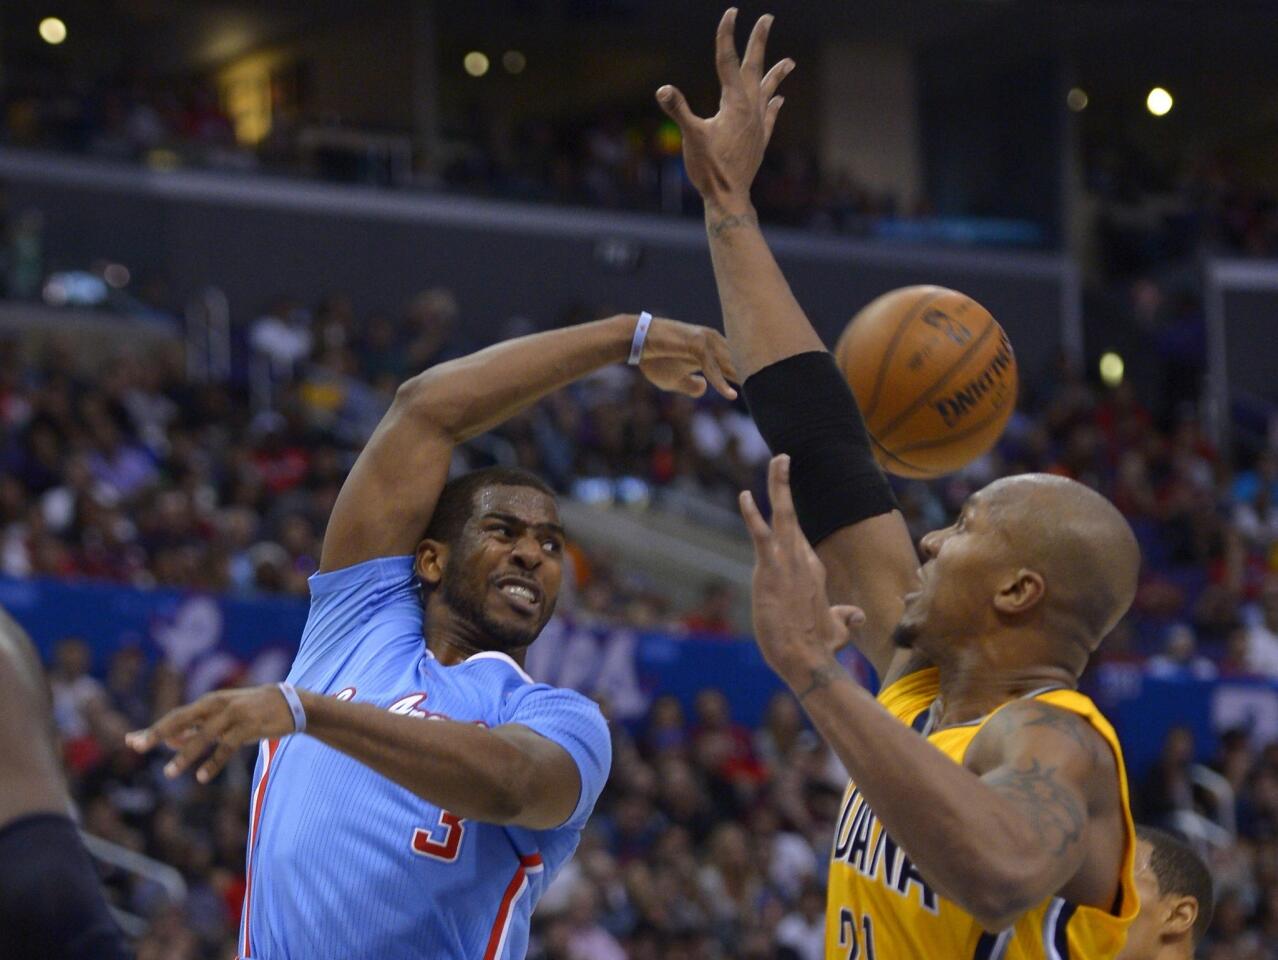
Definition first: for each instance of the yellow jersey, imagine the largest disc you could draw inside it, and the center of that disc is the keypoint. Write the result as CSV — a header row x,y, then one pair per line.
x,y
879,906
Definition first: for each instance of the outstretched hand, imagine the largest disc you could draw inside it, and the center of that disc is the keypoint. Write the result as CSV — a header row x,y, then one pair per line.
x,y
214,727
796,628
722,153
683,357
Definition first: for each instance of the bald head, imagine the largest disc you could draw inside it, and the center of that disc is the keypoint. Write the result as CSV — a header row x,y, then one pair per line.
x,y
1077,541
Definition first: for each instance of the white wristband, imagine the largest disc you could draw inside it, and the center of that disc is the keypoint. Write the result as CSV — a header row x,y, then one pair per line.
x,y
641,334
294,706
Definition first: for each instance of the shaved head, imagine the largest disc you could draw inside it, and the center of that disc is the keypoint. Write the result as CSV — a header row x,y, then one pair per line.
x,y
1077,541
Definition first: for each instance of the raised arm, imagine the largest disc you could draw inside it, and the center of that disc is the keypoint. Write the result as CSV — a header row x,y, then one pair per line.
x,y
871,561
387,500
997,835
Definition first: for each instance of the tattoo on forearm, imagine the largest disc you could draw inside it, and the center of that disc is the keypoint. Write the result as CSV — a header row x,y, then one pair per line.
x,y
733,220
1054,813
820,677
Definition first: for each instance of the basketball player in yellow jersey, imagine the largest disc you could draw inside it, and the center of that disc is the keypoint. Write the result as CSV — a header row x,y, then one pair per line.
x,y
988,814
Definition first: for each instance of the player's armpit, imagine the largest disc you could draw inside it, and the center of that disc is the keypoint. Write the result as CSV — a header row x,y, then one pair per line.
x,y
552,782
872,565
1046,763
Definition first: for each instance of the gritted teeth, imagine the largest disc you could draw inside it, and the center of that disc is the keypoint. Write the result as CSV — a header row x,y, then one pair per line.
x,y
522,591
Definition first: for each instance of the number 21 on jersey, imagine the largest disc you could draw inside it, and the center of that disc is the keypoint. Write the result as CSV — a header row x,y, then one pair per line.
x,y
442,841
857,939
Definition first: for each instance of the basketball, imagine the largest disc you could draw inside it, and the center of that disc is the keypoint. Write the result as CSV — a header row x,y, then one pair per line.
x,y
934,375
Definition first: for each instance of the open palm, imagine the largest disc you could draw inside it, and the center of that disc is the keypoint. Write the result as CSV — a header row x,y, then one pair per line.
x,y
722,153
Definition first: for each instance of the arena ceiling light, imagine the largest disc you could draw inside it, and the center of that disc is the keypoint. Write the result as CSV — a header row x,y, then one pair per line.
x,y
1111,369
52,30
514,61
1159,102
475,63
1077,99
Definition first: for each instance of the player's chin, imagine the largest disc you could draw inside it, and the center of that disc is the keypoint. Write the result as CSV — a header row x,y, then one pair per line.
x,y
515,626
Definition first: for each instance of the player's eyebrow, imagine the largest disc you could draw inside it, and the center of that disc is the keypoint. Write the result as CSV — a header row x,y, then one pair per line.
x,y
547,527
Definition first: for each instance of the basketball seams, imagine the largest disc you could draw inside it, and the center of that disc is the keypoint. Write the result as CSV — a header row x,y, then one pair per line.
x,y
920,473
945,378
893,343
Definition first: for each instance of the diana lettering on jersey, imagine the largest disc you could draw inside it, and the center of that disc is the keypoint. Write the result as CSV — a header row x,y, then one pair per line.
x,y
861,842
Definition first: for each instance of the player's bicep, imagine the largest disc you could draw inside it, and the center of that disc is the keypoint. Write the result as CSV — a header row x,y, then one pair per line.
x,y
873,565
391,491
1041,762
554,784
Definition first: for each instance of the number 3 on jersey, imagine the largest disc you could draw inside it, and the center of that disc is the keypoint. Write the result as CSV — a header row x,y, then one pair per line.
x,y
442,841
858,947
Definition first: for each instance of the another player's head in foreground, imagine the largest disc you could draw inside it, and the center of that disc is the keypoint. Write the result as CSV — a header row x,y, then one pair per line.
x,y
1176,899
1035,572
491,561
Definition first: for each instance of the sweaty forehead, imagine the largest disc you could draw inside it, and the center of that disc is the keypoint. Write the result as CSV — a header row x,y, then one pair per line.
x,y
528,504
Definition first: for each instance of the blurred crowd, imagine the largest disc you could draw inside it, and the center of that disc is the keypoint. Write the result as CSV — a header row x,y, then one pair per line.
x,y
1147,213
130,471
619,159
1230,807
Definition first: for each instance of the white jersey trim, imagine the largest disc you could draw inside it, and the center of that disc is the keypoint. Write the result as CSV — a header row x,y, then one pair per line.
x,y
505,657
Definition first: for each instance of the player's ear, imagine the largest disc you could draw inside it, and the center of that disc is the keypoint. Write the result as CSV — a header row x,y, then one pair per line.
x,y
432,557
1181,916
1020,592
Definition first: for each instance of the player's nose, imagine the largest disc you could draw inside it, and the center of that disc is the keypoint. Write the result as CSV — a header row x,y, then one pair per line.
x,y
930,545
526,553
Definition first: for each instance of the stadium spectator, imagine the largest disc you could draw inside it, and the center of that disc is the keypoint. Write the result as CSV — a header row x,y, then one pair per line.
x,y
713,614
1262,633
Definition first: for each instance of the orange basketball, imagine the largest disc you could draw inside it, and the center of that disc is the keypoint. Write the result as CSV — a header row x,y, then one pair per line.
x,y
935,377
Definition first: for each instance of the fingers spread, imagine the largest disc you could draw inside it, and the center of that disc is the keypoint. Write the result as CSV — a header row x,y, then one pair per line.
x,y
693,385
723,356
779,493
714,373
173,725
758,528
675,105
725,50
770,117
752,63
196,745
211,767
140,740
780,70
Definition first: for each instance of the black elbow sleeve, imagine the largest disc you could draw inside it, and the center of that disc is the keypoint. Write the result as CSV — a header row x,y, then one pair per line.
x,y
804,408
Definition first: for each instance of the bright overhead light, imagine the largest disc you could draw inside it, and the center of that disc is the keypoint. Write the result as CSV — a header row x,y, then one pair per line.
x,y
1077,99
52,30
1159,102
476,63
1111,369
514,61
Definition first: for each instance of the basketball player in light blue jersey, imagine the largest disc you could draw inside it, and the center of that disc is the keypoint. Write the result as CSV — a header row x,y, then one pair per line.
x,y
414,799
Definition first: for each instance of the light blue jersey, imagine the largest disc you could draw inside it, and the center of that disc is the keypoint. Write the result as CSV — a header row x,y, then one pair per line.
x,y
343,863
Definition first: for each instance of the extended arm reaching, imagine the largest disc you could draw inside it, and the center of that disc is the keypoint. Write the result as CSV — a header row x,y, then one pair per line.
x,y
870,558
508,774
389,496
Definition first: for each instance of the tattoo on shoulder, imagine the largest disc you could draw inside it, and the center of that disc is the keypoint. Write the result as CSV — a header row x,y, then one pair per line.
x,y
819,678
733,220
1068,724
1055,813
